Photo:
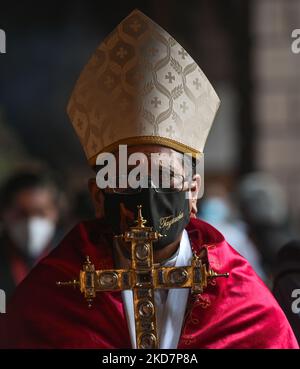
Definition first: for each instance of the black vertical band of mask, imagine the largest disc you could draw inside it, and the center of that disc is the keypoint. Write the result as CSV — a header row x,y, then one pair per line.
x,y
167,213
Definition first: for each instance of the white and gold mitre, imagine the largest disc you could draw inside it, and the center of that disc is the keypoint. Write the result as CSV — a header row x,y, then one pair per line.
x,y
141,87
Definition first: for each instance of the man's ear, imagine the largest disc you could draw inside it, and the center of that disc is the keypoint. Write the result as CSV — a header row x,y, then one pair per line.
x,y
97,198
195,189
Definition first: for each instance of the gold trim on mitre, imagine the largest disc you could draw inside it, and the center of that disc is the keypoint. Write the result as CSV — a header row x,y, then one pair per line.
x,y
148,140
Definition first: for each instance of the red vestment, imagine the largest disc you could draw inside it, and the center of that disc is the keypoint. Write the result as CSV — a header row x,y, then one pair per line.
x,y
238,312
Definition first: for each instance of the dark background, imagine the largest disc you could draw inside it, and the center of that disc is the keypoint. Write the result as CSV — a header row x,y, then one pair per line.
x,y
49,43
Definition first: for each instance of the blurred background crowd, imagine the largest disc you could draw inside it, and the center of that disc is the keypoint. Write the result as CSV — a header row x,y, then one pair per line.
x,y
252,176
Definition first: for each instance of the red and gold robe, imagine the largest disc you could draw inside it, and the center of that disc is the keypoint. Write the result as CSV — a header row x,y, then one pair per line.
x,y
238,312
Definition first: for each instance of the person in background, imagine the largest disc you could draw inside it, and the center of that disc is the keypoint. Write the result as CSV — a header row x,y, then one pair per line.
x,y
29,214
218,210
264,207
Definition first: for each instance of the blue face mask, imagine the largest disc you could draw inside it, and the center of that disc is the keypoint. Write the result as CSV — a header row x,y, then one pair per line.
x,y
214,210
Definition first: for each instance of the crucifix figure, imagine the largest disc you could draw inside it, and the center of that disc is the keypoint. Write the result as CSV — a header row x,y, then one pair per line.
x,y
143,278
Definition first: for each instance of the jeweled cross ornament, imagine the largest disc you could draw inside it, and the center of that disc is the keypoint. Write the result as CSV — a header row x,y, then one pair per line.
x,y
143,278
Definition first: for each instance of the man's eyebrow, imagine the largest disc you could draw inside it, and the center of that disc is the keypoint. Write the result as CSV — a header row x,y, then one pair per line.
x,y
129,167
160,167
168,169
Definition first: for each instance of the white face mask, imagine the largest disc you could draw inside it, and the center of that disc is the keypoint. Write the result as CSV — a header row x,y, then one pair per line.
x,y
32,235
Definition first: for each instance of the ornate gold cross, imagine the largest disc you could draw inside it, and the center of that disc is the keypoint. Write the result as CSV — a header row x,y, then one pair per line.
x,y
143,278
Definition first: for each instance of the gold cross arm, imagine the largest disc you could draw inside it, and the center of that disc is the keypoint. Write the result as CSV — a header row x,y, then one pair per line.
x,y
143,278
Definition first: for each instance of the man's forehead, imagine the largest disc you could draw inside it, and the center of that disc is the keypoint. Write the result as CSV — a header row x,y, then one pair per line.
x,y
151,155
149,149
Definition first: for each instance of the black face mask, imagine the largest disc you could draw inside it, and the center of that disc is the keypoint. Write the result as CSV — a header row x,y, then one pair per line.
x,y
167,213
